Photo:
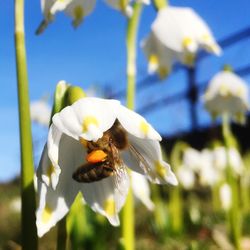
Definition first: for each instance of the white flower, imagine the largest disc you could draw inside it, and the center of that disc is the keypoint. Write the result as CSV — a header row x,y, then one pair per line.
x,y
77,9
40,112
181,29
83,152
220,158
124,5
226,196
178,33
235,161
208,174
192,159
186,177
159,58
141,190
227,93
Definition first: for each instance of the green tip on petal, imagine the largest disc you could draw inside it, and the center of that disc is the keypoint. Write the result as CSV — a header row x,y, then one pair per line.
x,y
227,68
74,94
59,97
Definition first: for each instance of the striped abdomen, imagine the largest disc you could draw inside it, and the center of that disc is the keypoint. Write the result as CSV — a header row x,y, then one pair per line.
x,y
93,172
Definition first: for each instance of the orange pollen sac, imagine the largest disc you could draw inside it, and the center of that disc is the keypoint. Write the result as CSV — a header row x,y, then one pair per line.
x,y
96,156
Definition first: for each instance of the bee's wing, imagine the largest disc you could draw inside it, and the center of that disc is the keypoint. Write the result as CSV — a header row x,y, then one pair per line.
x,y
120,176
142,162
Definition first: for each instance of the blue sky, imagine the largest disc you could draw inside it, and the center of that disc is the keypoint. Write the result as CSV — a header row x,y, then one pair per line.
x,y
95,54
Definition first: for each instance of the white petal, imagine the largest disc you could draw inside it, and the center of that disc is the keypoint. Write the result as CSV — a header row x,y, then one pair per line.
x,y
186,177
175,21
107,196
141,189
121,6
226,196
48,173
53,206
220,158
83,7
236,161
59,6
54,138
188,31
146,154
192,159
160,57
46,6
55,203
89,118
136,124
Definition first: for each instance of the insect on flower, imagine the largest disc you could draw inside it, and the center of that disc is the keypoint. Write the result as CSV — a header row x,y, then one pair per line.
x,y
103,159
90,145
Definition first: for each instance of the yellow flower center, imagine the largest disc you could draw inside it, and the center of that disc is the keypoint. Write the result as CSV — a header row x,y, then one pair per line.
x,y
160,169
88,121
46,214
109,207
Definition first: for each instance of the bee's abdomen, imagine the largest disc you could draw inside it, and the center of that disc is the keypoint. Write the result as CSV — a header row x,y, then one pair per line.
x,y
92,172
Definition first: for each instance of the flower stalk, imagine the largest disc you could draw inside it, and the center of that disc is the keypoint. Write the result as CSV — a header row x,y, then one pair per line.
x,y
234,211
175,198
29,233
128,210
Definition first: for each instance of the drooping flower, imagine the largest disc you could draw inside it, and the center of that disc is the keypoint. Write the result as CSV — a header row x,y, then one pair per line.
x,y
76,9
227,94
186,177
124,5
192,158
234,158
159,58
226,196
40,112
177,33
88,147
191,163
208,174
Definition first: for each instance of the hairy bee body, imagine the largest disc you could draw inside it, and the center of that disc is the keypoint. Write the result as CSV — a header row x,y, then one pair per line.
x,y
93,172
112,141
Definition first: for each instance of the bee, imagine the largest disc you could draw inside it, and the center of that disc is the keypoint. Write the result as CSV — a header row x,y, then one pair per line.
x,y
103,157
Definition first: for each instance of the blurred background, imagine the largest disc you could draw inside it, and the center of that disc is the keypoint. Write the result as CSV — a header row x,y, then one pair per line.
x,y
94,57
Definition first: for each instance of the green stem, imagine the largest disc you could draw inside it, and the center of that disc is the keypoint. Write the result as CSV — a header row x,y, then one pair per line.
x,y
176,210
132,29
62,234
175,196
29,233
234,211
216,197
160,4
